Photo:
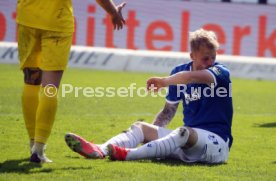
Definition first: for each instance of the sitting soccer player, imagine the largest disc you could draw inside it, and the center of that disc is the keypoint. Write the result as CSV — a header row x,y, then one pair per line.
x,y
204,87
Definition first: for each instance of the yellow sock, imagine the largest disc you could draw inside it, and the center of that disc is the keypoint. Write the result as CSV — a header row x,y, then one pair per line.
x,y
45,115
29,107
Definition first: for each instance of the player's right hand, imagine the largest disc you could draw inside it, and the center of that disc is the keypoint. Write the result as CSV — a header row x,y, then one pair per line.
x,y
155,84
118,20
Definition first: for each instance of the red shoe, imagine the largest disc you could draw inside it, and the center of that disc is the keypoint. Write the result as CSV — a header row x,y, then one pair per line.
x,y
116,152
83,147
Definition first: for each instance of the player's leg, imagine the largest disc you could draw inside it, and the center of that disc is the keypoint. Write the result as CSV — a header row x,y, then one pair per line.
x,y
30,94
46,112
139,132
55,53
29,55
159,148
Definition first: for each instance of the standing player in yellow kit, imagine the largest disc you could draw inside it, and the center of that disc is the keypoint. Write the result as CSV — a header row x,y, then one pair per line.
x,y
45,30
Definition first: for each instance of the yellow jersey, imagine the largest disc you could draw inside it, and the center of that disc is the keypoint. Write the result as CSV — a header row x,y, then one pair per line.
x,y
53,15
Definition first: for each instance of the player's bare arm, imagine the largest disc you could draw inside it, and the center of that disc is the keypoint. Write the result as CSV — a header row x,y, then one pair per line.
x,y
114,11
164,117
184,77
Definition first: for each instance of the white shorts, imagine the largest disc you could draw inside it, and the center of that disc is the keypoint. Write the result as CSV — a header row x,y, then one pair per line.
x,y
210,148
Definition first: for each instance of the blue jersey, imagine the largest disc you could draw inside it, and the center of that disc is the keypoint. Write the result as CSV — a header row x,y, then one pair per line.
x,y
205,107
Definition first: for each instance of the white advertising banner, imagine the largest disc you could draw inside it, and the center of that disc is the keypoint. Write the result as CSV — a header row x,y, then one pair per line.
x,y
242,29
150,61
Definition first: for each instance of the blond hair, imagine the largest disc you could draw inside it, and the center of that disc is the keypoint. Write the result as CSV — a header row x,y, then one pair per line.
x,y
203,37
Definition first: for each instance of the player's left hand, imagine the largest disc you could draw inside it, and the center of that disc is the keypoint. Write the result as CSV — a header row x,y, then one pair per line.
x,y
118,20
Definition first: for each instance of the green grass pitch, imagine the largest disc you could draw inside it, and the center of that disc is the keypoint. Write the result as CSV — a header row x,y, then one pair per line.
x,y
252,157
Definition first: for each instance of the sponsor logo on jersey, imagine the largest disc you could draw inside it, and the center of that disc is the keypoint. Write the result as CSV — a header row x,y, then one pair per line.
x,y
216,70
195,95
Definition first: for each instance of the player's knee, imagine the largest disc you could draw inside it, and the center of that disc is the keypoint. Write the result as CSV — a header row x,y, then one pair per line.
x,y
32,76
183,131
138,124
149,131
190,134
145,127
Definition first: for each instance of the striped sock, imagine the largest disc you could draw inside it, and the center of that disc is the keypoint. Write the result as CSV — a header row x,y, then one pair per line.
x,y
129,139
162,147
